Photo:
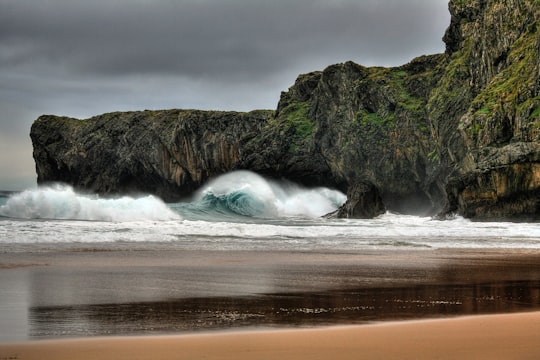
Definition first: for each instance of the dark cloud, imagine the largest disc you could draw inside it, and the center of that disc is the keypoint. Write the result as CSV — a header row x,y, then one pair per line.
x,y
81,58
213,38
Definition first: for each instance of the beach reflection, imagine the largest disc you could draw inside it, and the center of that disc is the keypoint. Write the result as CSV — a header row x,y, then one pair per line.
x,y
300,309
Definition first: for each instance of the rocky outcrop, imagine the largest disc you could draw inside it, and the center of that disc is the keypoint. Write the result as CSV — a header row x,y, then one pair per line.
x,y
168,153
457,132
497,46
363,202
350,125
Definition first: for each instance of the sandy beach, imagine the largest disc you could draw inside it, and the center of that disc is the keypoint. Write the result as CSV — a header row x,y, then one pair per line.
x,y
443,304
510,336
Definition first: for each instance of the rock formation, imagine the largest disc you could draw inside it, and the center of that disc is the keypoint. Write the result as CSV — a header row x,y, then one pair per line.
x,y
363,202
457,132
494,48
168,153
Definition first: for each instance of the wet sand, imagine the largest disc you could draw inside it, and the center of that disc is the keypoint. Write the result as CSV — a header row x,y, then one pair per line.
x,y
89,292
514,336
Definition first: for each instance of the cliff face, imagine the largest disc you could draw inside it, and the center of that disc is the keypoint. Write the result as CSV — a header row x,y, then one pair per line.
x,y
457,131
496,44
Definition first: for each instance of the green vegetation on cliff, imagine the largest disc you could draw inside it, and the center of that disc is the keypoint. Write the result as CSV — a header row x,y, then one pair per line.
x,y
297,116
511,93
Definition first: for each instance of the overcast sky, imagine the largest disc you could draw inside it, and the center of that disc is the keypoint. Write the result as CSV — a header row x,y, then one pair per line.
x,y
85,57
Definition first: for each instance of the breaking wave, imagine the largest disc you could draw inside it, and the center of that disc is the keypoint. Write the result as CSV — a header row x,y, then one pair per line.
x,y
63,203
244,193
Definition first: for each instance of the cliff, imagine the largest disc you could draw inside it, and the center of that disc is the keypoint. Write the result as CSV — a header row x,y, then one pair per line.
x,y
457,132
168,153
494,54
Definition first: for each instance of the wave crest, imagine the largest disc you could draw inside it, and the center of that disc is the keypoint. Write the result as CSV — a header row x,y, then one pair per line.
x,y
248,194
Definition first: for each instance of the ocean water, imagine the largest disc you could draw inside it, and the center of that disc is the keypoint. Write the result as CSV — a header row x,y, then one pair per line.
x,y
237,211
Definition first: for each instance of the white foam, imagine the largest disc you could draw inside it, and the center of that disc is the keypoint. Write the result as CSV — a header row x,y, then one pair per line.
x,y
63,203
385,232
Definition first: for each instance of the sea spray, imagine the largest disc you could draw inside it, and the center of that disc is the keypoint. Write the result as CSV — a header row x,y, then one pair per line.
x,y
61,202
293,200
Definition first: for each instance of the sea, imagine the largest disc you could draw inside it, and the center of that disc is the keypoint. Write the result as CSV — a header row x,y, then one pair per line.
x,y
244,252
237,211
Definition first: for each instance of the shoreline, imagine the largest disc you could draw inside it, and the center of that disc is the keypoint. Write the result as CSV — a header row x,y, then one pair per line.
x,y
508,336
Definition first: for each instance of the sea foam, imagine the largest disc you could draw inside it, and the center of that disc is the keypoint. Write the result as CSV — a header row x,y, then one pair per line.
x,y
63,203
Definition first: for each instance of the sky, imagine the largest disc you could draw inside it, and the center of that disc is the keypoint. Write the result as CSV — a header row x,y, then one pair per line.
x,y
82,58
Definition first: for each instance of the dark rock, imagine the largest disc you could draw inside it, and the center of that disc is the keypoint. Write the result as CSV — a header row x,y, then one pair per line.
x,y
363,202
168,153
495,174
505,186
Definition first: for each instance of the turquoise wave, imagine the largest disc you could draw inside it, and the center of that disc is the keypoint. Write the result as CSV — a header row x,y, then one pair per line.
x,y
223,207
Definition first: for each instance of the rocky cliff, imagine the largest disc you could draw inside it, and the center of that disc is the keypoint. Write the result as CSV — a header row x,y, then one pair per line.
x,y
494,55
168,153
457,132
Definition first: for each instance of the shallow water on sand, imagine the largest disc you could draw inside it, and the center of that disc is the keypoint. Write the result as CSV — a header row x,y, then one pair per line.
x,y
74,294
